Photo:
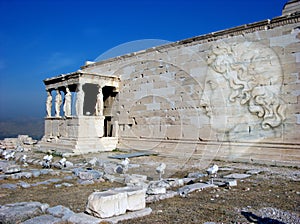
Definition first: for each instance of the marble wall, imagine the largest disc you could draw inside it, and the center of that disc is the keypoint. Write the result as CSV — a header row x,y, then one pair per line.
x,y
230,95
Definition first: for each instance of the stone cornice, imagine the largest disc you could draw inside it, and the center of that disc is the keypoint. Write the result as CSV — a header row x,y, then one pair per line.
x,y
235,31
73,78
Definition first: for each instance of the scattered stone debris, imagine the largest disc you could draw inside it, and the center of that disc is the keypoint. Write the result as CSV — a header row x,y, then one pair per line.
x,y
253,172
237,176
130,155
161,170
120,203
20,212
60,211
135,180
196,175
157,187
45,219
47,161
221,182
12,169
24,184
8,186
20,144
184,191
158,197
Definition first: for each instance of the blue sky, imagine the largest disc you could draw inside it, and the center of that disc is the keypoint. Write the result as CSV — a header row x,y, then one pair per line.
x,y
45,38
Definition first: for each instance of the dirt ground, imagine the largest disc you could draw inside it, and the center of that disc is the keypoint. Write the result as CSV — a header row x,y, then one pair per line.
x,y
273,187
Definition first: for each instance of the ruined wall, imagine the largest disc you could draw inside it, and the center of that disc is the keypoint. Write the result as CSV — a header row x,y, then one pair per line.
x,y
232,94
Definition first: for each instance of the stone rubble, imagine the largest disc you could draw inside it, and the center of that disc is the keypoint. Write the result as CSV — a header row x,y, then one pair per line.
x,y
45,219
253,172
158,197
21,143
24,184
184,191
139,190
19,212
60,211
221,182
36,212
121,200
237,176
12,169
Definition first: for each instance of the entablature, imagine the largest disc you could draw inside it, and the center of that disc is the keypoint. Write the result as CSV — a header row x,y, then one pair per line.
x,y
80,78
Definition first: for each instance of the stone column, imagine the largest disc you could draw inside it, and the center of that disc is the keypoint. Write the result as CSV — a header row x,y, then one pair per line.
x,y
49,103
58,102
99,103
79,100
67,103
115,129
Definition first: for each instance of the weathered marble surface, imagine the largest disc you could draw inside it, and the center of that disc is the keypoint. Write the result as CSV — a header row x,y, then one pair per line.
x,y
232,95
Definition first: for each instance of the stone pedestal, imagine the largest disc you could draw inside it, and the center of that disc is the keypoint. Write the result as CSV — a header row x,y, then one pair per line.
x,y
76,135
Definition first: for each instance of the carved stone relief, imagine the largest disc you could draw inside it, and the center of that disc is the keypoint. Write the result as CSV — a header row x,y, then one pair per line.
x,y
58,102
243,86
49,103
99,103
67,104
79,100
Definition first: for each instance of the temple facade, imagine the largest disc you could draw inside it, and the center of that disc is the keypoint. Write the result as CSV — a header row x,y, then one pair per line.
x,y
230,95
78,107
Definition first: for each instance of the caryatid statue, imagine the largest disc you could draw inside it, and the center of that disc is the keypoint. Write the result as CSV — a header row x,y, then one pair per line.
x,y
79,100
67,104
58,102
48,103
99,103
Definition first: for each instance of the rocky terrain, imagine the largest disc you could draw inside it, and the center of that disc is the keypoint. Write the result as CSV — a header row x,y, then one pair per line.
x,y
239,193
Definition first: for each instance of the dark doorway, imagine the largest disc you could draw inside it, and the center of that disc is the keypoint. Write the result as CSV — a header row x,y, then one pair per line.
x,y
109,97
108,127
90,97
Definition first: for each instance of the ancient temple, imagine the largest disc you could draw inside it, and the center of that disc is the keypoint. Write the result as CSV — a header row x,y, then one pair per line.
x,y
232,95
79,113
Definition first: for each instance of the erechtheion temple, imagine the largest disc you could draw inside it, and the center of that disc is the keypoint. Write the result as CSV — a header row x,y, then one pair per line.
x,y
231,95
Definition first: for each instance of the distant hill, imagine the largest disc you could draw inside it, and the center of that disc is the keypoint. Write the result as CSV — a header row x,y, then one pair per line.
x,y
12,127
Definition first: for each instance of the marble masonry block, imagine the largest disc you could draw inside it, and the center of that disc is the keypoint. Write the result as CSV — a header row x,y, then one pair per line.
x,y
116,201
135,197
135,178
107,204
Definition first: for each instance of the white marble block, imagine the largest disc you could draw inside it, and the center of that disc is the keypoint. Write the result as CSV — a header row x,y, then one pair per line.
x,y
107,204
116,202
136,197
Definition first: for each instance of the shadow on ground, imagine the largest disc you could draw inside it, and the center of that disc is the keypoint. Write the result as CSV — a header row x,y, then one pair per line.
x,y
256,219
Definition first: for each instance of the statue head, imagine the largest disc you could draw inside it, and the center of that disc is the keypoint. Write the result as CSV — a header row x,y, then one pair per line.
x,y
243,82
